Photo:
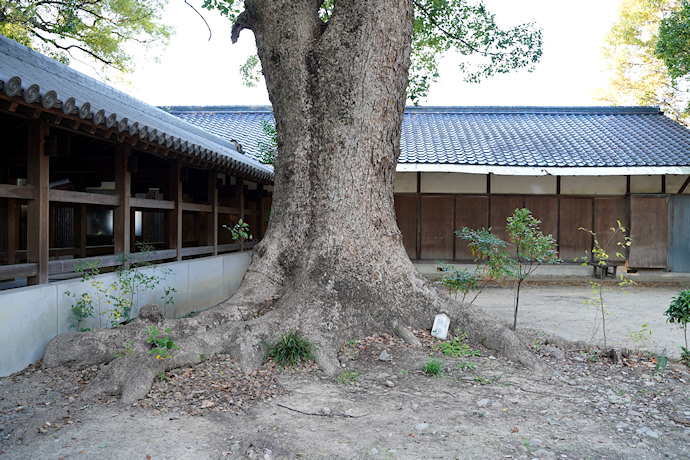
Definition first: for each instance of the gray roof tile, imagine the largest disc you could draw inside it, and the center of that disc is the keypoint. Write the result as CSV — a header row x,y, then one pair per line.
x,y
565,137
24,73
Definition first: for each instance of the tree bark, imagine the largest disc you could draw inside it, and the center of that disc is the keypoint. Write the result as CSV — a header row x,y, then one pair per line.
x,y
332,261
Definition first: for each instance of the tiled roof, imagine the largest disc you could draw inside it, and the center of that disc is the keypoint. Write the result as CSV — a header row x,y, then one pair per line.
x,y
633,139
50,85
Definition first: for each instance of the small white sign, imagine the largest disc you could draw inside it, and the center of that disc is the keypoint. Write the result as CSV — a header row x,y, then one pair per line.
x,y
441,325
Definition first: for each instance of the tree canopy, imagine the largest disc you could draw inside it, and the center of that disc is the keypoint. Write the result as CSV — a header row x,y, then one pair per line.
x,y
638,76
673,45
99,30
464,26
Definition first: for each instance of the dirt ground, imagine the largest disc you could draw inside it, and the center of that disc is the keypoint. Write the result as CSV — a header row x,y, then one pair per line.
x,y
580,405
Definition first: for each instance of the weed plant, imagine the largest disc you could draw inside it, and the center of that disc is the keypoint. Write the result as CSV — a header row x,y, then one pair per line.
x,y
163,345
433,367
291,349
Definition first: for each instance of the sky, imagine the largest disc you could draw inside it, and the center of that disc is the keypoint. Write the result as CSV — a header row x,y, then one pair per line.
x,y
194,70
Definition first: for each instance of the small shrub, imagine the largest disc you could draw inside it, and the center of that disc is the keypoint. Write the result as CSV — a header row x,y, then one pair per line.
x,y
456,347
433,367
532,246
291,349
491,256
599,256
679,312
240,232
457,280
641,338
162,344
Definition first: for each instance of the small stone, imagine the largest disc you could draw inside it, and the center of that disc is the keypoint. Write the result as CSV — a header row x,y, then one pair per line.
x,y
374,451
384,356
482,402
326,411
652,434
553,351
390,384
441,325
415,406
421,426
543,453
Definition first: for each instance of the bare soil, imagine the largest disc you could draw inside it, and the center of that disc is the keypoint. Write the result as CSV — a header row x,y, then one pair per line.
x,y
583,405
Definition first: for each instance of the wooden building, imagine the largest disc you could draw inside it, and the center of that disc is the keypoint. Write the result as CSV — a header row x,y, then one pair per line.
x,y
572,166
88,171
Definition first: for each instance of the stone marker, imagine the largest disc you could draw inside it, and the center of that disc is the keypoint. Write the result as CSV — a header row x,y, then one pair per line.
x,y
441,324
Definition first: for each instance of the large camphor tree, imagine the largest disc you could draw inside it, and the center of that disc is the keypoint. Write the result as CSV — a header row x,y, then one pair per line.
x,y
332,261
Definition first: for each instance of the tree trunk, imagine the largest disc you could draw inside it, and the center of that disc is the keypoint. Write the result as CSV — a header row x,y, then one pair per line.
x,y
332,261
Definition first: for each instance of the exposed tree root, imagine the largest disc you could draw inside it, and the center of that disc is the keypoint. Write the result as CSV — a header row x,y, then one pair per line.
x,y
218,330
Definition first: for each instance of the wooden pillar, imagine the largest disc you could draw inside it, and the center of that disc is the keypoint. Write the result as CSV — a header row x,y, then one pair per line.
x,y
122,222
212,218
81,225
240,194
12,230
38,209
260,210
175,220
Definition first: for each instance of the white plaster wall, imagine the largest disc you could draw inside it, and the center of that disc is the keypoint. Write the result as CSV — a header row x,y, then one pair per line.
x,y
533,185
674,182
31,316
453,183
645,184
405,183
28,320
593,185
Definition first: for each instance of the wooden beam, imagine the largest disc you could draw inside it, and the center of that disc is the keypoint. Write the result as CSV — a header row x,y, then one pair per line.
x,y
684,186
228,210
17,191
146,203
38,209
123,189
8,272
68,196
196,207
197,251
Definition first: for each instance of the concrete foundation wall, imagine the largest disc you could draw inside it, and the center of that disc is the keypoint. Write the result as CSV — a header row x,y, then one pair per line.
x,y
31,316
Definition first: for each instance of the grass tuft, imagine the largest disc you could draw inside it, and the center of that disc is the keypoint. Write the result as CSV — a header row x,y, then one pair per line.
x,y
291,349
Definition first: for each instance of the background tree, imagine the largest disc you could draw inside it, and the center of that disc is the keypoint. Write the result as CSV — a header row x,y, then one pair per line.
x,y
465,27
332,262
673,45
98,30
638,76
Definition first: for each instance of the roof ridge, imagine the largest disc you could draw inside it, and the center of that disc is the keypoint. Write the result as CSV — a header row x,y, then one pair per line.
x,y
589,110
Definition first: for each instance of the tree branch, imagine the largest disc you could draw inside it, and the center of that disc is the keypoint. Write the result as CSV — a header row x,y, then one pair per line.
x,y
450,34
241,23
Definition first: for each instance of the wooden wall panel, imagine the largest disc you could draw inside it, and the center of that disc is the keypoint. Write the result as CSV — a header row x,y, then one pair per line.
x,y
607,211
545,208
406,214
437,221
649,231
574,213
472,212
503,207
